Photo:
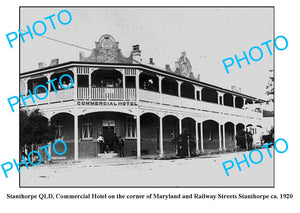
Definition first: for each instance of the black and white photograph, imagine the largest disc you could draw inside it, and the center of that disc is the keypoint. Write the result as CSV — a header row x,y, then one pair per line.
x,y
147,97
153,106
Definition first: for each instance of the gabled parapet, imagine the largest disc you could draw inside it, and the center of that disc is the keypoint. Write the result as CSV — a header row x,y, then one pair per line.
x,y
107,51
183,67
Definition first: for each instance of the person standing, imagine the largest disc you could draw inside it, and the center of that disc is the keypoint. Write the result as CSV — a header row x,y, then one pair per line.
x,y
115,143
24,152
121,147
100,140
249,139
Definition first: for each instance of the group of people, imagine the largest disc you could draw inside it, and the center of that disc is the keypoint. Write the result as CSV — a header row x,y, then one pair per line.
x,y
244,139
34,157
117,141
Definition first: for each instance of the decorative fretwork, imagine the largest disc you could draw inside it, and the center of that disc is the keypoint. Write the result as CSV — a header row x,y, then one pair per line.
x,y
83,70
130,72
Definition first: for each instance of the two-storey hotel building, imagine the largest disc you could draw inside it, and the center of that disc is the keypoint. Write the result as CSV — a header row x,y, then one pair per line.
x,y
146,105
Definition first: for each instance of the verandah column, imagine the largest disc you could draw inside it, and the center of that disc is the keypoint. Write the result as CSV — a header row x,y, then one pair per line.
x,y
75,83
138,137
234,136
138,117
244,102
180,132
75,137
160,78
220,98
180,126
223,140
200,93
161,138
195,92
137,84
26,86
179,87
197,138
233,100
201,137
198,89
124,84
220,138
90,84
48,75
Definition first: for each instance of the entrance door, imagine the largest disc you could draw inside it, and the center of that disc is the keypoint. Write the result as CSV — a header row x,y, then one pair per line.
x,y
108,133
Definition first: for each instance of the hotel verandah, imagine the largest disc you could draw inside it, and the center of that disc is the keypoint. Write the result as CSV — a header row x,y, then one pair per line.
x,y
146,105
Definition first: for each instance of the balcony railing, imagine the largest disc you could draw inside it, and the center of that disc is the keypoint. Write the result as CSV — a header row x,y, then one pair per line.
x,y
115,94
130,94
175,101
107,93
59,96
83,93
103,93
62,95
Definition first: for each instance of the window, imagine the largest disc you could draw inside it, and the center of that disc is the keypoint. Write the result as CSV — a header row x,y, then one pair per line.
x,y
210,134
172,133
87,131
39,90
130,127
59,131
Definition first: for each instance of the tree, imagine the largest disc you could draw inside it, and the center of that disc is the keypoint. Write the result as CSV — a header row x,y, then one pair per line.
x,y
34,128
270,87
270,93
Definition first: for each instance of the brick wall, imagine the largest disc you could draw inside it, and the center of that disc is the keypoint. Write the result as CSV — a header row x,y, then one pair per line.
x,y
169,147
60,148
149,145
88,149
130,147
211,144
229,143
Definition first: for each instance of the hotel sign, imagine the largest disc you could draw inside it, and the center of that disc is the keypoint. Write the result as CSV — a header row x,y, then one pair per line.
x,y
107,103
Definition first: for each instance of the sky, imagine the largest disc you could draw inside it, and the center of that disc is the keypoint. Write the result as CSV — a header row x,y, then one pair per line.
x,y
207,35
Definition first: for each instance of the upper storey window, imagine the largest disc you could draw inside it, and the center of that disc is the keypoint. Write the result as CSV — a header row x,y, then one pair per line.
x,y
65,81
149,82
170,86
209,95
107,78
187,90
33,83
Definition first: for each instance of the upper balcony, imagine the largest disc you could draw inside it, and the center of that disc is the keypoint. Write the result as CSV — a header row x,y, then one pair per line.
x,y
110,84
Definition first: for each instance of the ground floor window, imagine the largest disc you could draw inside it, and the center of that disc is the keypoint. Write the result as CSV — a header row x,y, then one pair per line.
x,y
59,130
210,135
87,131
130,127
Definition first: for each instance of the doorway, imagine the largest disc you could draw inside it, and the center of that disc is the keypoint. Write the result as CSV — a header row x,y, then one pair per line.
x,y
108,133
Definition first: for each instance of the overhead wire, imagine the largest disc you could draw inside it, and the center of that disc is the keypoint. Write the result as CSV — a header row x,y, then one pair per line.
x,y
63,42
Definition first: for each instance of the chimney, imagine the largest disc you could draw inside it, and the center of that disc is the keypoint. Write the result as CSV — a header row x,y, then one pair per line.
x,y
136,47
54,62
81,56
151,61
168,68
136,53
198,77
42,65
